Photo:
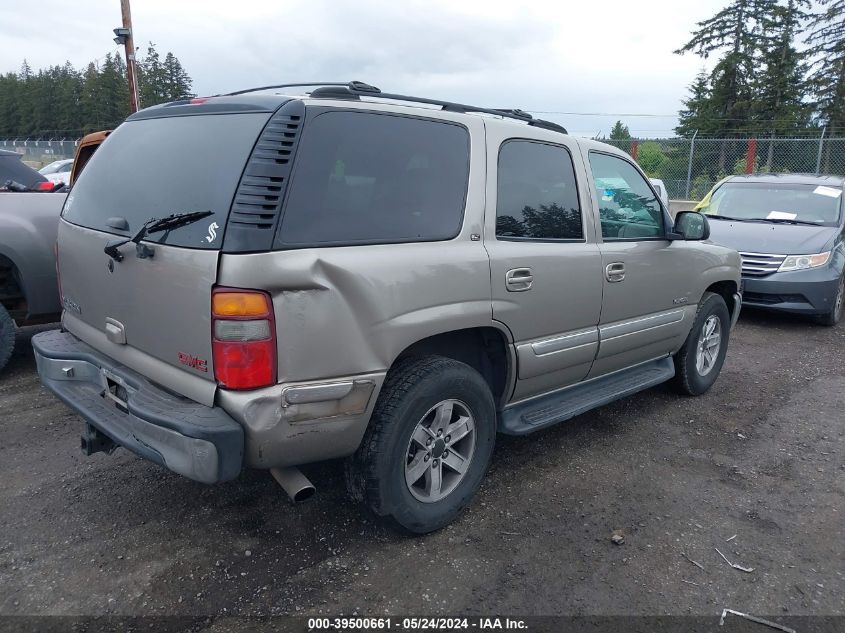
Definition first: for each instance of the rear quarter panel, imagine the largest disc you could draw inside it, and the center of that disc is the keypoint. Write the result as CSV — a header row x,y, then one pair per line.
x,y
28,226
353,309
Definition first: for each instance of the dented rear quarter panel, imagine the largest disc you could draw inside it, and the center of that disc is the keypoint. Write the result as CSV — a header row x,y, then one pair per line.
x,y
350,310
29,223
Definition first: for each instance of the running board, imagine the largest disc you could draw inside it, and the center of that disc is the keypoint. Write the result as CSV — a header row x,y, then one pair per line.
x,y
538,413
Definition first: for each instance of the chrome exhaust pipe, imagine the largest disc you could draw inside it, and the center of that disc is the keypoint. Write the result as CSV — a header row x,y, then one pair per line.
x,y
296,485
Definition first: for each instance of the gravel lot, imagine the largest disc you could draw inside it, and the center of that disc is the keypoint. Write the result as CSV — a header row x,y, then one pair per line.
x,y
762,457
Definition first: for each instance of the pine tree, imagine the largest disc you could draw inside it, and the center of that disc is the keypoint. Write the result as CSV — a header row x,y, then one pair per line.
x,y
68,94
736,31
10,87
160,82
697,115
150,78
827,77
620,132
113,90
178,81
90,104
778,107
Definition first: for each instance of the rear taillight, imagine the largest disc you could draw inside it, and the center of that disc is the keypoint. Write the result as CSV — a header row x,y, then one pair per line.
x,y
243,333
44,186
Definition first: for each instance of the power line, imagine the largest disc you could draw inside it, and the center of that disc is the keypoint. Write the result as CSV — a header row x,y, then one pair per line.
x,y
623,114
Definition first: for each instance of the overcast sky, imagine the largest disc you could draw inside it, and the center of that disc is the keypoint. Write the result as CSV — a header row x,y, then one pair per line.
x,y
599,56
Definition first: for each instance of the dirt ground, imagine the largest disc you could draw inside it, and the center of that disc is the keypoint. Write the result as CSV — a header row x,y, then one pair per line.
x,y
755,468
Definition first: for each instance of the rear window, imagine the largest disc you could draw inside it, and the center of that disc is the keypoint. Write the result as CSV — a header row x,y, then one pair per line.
x,y
376,178
11,168
152,168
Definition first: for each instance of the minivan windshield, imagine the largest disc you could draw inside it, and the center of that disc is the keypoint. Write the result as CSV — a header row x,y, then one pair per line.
x,y
775,202
153,168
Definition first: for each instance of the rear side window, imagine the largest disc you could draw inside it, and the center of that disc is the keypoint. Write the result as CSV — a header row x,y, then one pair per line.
x,y
376,178
537,196
151,168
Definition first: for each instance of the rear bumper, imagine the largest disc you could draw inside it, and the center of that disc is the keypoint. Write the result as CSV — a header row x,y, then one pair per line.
x,y
199,442
798,292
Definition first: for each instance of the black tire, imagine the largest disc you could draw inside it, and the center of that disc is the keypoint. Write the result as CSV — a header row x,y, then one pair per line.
x,y
688,379
7,337
832,316
375,474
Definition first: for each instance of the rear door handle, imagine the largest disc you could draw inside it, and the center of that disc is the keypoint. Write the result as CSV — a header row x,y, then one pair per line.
x,y
519,279
614,272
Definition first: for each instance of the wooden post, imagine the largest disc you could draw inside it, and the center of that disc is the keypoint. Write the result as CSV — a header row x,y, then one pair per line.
x,y
634,149
130,56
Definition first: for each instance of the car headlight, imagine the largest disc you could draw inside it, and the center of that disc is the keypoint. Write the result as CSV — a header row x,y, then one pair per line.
x,y
800,262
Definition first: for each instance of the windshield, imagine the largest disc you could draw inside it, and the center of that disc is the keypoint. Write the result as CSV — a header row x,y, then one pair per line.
x,y
57,167
775,202
153,168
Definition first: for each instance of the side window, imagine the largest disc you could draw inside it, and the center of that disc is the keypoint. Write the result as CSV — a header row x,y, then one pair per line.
x,y
376,178
628,208
537,196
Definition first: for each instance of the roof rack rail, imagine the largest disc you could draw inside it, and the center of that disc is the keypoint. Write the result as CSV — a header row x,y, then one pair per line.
x,y
358,89
358,86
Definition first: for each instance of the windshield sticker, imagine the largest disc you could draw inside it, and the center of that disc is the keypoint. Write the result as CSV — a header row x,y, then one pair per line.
x,y
781,215
830,192
212,232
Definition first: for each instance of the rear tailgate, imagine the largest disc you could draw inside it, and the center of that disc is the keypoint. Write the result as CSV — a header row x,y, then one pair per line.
x,y
153,314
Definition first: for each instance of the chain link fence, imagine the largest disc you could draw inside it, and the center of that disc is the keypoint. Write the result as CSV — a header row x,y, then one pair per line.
x,y
690,167
38,153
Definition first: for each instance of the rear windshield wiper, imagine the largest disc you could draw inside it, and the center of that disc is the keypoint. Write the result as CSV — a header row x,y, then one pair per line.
x,y
153,225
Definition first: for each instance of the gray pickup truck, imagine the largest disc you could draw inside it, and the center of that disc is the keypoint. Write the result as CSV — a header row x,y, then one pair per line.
x,y
267,281
28,290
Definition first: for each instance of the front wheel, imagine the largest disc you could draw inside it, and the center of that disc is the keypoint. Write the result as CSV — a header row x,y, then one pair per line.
x,y
428,445
7,337
698,363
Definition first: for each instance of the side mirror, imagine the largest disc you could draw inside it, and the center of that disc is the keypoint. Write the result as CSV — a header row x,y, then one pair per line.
x,y
690,226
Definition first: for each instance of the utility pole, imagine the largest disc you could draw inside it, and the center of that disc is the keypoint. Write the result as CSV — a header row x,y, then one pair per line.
x,y
124,36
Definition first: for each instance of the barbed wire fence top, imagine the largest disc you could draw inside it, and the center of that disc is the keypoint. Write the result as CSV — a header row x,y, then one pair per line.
x,y
40,152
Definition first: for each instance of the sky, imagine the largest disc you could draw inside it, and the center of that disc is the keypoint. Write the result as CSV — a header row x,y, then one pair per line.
x,y
561,59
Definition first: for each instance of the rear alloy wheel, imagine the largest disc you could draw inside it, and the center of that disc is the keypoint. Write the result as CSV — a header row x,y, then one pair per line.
x,y
698,363
428,444
833,316
440,451
7,337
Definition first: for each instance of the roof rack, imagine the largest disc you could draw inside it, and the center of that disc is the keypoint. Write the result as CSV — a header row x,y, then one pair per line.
x,y
358,89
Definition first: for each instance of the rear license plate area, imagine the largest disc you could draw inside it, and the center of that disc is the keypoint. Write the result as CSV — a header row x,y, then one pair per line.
x,y
114,390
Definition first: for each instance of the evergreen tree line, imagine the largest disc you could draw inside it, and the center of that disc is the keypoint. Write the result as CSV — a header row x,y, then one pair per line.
x,y
62,101
780,71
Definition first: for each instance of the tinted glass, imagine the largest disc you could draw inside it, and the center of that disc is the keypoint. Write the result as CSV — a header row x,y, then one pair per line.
x,y
628,208
369,178
779,202
11,168
537,196
156,167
